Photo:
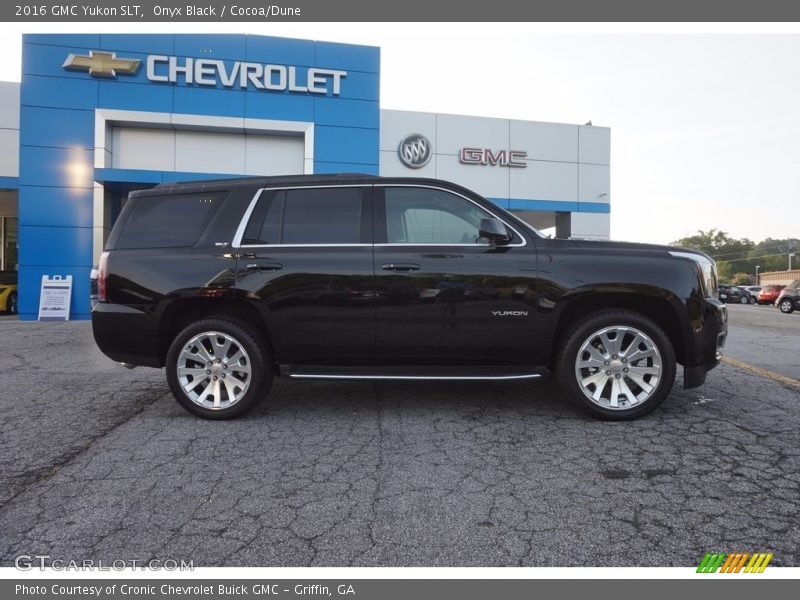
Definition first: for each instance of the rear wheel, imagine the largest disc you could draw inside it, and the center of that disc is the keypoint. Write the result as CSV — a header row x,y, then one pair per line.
x,y
12,303
616,365
752,299
786,305
218,368
743,300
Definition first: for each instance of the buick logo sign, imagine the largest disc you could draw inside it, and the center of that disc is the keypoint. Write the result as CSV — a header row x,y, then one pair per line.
x,y
415,151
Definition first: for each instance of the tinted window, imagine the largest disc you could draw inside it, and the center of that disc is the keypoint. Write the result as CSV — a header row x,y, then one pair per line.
x,y
168,221
426,216
307,216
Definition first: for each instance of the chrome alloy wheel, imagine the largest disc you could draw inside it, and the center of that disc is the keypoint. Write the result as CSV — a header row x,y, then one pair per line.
x,y
618,367
214,370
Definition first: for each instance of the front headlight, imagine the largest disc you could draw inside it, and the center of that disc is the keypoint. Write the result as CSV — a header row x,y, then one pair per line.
x,y
708,271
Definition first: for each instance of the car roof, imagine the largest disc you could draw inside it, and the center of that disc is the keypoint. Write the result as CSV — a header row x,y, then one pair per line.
x,y
212,185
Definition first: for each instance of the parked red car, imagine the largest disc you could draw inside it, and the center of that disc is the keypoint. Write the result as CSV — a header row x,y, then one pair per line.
x,y
769,293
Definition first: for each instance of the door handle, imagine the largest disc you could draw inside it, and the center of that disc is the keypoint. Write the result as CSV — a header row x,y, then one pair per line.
x,y
264,266
400,267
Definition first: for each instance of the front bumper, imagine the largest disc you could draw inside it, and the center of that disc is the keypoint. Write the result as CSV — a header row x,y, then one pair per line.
x,y
709,322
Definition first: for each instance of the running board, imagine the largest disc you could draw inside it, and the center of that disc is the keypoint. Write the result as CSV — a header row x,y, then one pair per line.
x,y
409,374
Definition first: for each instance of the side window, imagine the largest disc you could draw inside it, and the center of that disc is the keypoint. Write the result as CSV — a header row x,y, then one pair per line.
x,y
427,216
307,216
168,221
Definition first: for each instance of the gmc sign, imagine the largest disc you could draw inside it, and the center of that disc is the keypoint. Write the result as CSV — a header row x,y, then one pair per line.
x,y
502,158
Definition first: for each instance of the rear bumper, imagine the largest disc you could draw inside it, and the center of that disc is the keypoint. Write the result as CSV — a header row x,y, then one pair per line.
x,y
709,334
126,334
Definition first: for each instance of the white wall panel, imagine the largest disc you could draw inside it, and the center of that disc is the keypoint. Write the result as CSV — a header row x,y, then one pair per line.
x,y
273,155
594,145
545,181
594,183
204,152
9,152
454,132
397,124
139,148
545,141
590,225
9,106
489,181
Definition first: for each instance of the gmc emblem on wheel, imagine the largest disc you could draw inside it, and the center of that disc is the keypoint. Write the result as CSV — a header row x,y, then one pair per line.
x,y
415,151
510,313
501,158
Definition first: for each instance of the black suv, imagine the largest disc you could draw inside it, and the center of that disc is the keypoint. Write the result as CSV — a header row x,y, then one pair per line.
x,y
789,299
230,283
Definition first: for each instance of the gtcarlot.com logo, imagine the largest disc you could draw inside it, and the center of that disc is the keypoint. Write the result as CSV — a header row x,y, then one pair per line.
x,y
739,562
27,562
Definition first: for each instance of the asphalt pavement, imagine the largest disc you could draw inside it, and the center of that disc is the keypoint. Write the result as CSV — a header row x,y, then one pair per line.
x,y
98,462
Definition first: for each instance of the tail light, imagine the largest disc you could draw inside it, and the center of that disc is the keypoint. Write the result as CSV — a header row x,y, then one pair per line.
x,y
102,274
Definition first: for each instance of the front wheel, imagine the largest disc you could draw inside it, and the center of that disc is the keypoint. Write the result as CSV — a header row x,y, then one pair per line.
x,y
786,306
752,300
218,368
616,365
743,300
12,303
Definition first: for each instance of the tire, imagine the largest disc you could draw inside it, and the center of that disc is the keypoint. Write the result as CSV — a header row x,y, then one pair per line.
x,y
786,306
643,392
11,304
742,299
215,352
752,300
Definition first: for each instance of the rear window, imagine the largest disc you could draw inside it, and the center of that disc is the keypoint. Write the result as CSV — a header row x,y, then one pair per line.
x,y
168,221
307,216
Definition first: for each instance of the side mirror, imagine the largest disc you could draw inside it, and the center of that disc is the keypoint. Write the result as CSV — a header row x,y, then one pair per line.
x,y
494,231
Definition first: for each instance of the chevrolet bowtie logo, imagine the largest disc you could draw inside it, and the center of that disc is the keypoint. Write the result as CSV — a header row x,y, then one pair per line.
x,y
102,64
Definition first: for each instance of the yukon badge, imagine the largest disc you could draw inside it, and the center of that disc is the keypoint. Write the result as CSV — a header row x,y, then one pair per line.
x,y
509,313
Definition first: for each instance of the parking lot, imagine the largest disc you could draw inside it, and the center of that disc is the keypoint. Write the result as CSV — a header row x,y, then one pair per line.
x,y
100,462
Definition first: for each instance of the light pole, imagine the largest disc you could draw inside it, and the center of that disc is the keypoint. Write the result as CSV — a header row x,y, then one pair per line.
x,y
757,268
791,254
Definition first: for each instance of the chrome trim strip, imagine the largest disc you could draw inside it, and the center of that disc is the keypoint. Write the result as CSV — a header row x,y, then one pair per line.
x,y
237,238
416,377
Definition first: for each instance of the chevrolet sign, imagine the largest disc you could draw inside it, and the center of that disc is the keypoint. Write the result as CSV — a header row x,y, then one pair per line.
x,y
275,78
210,72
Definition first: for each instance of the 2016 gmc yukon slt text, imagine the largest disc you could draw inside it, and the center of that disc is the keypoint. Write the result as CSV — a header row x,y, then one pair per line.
x,y
227,284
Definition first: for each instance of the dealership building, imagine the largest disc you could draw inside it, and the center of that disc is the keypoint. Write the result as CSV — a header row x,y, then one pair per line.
x,y
96,116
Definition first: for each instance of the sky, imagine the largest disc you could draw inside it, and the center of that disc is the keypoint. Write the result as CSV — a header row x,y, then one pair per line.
x,y
705,127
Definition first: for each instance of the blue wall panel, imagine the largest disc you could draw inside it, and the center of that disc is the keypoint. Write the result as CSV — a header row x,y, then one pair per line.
x,y
226,46
88,40
346,113
56,206
56,127
134,96
343,144
209,101
282,107
58,92
279,51
348,57
57,246
59,167
143,44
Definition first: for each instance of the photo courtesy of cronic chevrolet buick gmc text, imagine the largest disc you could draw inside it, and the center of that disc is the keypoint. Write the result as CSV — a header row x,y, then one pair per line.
x,y
228,284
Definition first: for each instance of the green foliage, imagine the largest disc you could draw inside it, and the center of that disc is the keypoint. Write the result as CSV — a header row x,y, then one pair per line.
x,y
742,279
737,257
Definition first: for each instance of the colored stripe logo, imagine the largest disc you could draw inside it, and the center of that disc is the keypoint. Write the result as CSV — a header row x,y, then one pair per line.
x,y
743,562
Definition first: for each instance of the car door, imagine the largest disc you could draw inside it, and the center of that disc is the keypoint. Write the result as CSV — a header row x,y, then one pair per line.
x,y
305,257
445,296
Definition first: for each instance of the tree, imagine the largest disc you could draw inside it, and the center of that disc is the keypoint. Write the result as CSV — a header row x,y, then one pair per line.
x,y
742,279
721,247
